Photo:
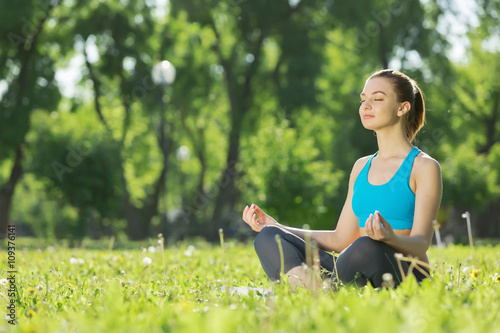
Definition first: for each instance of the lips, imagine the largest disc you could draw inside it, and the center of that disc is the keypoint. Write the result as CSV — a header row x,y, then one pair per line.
x,y
368,116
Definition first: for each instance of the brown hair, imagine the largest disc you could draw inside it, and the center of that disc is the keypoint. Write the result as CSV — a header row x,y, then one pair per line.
x,y
406,89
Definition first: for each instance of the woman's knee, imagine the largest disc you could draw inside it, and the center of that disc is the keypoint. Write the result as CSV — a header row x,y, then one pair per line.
x,y
365,257
266,237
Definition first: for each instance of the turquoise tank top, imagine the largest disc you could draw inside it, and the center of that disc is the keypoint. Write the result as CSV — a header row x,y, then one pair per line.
x,y
394,200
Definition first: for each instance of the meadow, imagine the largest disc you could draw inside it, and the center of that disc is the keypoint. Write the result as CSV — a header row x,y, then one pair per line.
x,y
194,286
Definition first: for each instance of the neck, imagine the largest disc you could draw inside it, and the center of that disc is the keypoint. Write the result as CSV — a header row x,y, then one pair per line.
x,y
393,143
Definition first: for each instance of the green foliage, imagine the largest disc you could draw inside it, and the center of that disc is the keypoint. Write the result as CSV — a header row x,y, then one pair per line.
x,y
469,179
276,82
77,157
89,290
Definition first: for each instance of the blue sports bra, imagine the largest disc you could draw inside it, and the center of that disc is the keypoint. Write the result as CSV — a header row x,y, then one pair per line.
x,y
394,200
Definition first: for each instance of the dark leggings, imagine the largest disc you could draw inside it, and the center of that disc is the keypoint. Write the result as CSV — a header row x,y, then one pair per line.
x,y
365,260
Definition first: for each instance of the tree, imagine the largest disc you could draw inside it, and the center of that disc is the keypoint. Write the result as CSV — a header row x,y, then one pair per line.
x,y
29,70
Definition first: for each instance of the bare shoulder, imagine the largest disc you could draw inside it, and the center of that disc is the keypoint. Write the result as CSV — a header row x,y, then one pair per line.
x,y
426,166
358,166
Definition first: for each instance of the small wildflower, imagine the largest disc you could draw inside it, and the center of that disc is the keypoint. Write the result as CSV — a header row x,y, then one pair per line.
x,y
151,249
80,261
189,251
73,260
95,277
449,270
387,277
475,273
465,270
147,261
496,278
30,290
3,282
30,313
39,287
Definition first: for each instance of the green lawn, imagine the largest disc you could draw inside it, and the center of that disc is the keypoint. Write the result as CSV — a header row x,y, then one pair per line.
x,y
88,290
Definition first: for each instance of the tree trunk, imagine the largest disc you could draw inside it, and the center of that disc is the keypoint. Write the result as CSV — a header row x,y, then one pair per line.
x,y
7,192
226,182
488,222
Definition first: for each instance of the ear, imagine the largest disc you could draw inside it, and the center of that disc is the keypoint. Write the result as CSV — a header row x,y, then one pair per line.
x,y
404,108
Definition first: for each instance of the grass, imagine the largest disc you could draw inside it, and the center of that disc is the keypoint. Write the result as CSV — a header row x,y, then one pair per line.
x,y
99,290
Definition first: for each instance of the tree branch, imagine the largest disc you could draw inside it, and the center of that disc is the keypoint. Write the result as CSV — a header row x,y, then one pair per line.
x,y
97,93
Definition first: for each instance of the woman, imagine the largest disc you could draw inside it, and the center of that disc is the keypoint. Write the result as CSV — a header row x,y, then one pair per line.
x,y
393,198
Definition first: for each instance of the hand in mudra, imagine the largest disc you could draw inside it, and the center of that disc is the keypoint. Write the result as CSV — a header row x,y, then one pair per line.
x,y
250,218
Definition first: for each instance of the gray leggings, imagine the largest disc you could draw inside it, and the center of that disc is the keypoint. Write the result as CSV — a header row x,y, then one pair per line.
x,y
365,260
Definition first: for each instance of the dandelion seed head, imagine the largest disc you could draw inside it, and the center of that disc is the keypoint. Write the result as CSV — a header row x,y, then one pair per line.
x,y
147,261
80,261
160,235
151,249
73,260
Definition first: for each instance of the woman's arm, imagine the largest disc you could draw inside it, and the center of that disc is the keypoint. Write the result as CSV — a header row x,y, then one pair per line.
x,y
428,194
329,240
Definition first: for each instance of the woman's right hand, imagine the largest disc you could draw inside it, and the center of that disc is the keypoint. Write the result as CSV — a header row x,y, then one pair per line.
x,y
257,223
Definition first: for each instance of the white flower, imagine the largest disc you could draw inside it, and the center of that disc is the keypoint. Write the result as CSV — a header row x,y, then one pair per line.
x,y
80,261
151,249
95,277
73,260
147,261
387,277
39,287
3,282
189,251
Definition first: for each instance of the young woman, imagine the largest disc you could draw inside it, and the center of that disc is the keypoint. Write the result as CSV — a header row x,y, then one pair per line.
x,y
393,198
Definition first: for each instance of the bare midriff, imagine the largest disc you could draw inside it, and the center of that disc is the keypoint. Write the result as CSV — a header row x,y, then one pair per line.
x,y
401,232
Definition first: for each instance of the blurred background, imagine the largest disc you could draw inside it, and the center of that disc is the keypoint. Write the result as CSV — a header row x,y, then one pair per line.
x,y
131,118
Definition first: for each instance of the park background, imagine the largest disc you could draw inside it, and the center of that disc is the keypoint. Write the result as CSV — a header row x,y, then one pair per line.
x,y
263,109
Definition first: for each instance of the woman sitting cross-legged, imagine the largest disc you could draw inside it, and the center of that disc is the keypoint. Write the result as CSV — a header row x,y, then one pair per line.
x,y
393,198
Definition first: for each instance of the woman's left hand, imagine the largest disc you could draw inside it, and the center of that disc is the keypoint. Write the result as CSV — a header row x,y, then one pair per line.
x,y
377,228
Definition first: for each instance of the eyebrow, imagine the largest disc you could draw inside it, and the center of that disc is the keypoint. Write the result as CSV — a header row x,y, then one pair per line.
x,y
375,92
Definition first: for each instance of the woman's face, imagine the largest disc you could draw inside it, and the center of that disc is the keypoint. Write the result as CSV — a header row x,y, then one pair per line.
x,y
379,105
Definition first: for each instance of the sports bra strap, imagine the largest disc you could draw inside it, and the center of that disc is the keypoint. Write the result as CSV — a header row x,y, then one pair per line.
x,y
408,162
